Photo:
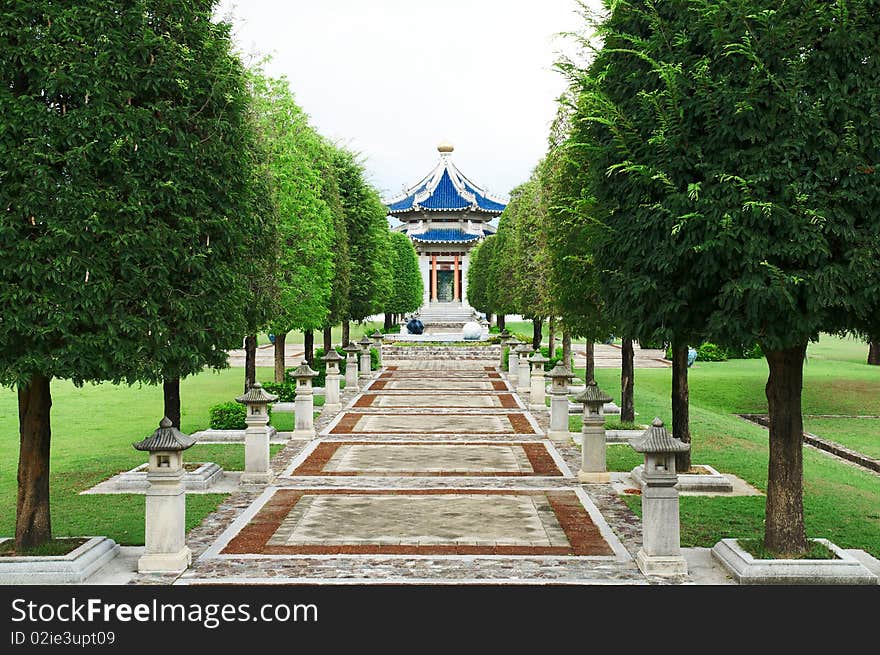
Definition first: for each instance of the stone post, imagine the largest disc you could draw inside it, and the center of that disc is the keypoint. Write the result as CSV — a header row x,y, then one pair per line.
x,y
523,372
503,338
351,367
512,361
377,338
165,549
331,383
256,437
304,407
537,394
661,546
559,376
593,446
365,367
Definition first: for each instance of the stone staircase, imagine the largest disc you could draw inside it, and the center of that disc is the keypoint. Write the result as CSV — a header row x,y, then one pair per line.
x,y
432,352
445,315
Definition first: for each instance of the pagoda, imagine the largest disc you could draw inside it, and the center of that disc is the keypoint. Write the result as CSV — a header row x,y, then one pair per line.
x,y
445,215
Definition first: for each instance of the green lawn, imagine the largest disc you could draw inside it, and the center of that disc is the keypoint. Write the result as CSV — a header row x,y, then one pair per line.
x,y
842,503
862,434
357,331
93,428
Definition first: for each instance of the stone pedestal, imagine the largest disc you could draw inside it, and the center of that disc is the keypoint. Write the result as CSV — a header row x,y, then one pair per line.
x,y
661,547
537,392
165,549
304,425
512,361
332,402
351,367
559,377
256,437
504,338
593,445
365,371
377,338
523,384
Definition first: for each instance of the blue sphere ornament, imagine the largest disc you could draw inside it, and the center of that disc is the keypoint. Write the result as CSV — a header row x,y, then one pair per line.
x,y
692,356
415,326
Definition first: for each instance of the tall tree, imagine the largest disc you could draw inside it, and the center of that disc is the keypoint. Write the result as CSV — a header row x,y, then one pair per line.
x,y
306,224
406,277
738,129
131,207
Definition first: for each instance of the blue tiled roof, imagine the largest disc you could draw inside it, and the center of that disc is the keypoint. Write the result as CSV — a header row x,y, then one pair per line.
x,y
450,235
445,189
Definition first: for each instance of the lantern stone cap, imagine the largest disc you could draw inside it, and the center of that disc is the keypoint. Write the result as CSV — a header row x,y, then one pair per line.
x,y
592,394
351,348
377,335
331,356
560,371
167,438
365,342
255,395
303,371
538,358
511,340
523,348
504,334
656,439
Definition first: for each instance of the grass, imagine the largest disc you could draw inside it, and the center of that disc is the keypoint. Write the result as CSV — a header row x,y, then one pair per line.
x,y
52,548
756,548
840,500
861,434
93,428
357,330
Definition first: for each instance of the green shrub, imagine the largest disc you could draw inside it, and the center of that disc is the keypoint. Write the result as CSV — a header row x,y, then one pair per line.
x,y
229,416
286,391
320,366
554,360
710,352
394,329
494,329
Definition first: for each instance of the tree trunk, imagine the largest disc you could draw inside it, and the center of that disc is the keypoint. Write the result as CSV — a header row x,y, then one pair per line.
x,y
309,346
489,318
32,521
171,395
874,353
551,336
328,339
346,333
590,373
681,426
784,525
566,347
627,379
250,361
536,333
280,362
501,322
389,321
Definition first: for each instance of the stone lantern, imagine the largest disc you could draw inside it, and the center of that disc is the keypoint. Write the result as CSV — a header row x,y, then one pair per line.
x,y
351,366
256,437
304,402
522,383
377,338
165,548
661,545
365,367
593,467
559,378
512,361
332,378
537,393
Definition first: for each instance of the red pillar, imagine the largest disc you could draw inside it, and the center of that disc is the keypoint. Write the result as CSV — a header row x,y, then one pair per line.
x,y
457,291
433,277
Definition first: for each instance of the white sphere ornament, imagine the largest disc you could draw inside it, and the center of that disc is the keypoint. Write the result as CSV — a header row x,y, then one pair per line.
x,y
471,331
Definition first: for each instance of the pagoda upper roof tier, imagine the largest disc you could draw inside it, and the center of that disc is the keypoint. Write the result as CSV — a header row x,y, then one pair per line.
x,y
445,189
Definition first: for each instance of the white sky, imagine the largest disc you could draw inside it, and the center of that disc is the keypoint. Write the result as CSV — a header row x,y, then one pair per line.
x,y
393,78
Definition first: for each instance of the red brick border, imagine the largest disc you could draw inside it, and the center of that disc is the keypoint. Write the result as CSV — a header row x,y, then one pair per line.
x,y
583,536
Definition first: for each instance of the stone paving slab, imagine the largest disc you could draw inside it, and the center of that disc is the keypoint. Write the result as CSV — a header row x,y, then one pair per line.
x,y
442,384
479,423
420,459
434,401
453,522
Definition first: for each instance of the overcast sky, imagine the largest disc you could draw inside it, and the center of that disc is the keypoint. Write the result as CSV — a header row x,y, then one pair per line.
x,y
393,78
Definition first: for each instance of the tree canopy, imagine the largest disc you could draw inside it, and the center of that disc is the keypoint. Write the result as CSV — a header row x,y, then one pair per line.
x,y
406,277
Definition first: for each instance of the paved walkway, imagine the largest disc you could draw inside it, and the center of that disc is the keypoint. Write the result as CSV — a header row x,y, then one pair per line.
x,y
434,472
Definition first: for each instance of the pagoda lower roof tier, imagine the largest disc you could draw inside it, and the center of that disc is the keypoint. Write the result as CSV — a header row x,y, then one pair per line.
x,y
445,236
